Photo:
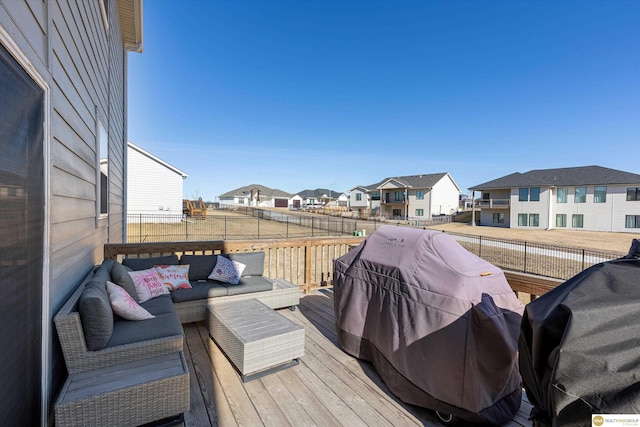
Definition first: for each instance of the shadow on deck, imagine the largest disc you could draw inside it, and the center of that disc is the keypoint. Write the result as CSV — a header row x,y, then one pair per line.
x,y
327,388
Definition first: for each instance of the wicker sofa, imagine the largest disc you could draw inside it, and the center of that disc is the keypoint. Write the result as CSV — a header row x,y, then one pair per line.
x,y
134,340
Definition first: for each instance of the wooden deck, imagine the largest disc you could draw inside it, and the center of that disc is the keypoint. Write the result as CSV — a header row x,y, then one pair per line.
x,y
327,388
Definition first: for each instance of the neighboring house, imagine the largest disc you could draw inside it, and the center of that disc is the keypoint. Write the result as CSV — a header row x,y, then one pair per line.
x,y
63,124
321,197
154,187
255,195
409,197
364,201
590,198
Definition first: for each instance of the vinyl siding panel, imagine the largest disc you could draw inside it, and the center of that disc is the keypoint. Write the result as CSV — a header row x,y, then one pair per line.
x,y
444,197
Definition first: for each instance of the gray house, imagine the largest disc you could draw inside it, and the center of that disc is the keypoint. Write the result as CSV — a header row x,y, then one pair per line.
x,y
591,198
255,195
63,126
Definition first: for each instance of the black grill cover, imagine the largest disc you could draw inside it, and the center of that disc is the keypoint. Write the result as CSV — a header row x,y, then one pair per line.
x,y
580,345
439,324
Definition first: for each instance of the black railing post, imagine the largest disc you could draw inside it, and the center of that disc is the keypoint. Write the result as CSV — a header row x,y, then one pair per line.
x,y
311,226
583,260
140,228
525,258
480,247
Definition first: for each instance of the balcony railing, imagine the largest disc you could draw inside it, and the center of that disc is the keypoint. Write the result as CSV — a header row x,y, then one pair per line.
x,y
493,203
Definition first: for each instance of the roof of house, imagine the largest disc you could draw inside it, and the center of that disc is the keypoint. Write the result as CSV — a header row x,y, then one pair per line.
x,y
318,193
157,159
409,181
582,175
265,192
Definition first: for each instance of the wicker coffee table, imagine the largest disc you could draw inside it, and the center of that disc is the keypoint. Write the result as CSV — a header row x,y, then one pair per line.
x,y
255,338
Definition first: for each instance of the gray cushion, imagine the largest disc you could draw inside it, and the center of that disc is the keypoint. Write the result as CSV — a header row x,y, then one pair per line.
x,y
120,276
254,262
103,271
135,331
96,315
250,284
159,305
199,290
200,266
146,263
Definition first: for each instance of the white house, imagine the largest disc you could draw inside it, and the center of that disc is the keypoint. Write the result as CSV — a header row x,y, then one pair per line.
x,y
590,198
321,197
154,187
417,197
255,195
63,127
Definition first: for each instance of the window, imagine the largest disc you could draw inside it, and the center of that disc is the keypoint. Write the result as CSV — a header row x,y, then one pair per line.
x,y
577,221
241,200
358,197
534,194
632,221
534,220
581,195
102,188
633,194
420,194
498,218
522,220
600,194
523,195
399,196
419,212
562,195
375,195
561,220
486,196
397,213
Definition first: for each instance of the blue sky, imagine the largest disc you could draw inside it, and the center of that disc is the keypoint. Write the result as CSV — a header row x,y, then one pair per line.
x,y
335,93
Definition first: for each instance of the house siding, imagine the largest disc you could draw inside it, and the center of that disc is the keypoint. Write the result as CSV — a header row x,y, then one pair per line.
x,y
444,197
152,188
540,208
67,45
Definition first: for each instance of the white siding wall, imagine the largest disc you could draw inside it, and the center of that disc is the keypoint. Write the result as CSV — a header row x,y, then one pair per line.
x,y
541,208
152,188
362,203
66,43
444,197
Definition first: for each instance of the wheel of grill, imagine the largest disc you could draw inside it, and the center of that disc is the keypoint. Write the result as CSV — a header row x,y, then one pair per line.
x,y
446,418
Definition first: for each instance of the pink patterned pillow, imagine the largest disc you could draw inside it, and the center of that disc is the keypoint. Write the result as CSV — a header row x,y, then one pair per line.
x,y
148,284
174,276
125,306
227,271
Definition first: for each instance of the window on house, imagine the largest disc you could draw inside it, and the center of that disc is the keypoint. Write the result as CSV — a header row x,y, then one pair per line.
x,y
358,197
241,200
633,194
600,194
399,196
561,197
534,194
397,213
523,195
561,220
419,212
102,188
375,195
420,194
522,220
581,195
498,218
577,221
534,220
486,196
632,221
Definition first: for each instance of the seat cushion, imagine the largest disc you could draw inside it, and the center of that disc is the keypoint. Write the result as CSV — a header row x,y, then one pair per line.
x,y
96,315
200,266
147,263
250,284
199,290
159,305
253,261
132,331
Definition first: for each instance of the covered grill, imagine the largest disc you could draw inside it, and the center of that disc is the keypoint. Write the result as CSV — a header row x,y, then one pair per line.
x,y
580,345
439,324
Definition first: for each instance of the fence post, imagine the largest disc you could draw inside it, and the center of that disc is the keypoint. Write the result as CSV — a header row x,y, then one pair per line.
x,y
287,227
258,219
311,226
583,259
525,258
140,228
480,247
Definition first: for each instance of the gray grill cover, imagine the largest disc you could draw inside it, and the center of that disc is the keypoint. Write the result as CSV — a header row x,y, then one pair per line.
x,y
439,324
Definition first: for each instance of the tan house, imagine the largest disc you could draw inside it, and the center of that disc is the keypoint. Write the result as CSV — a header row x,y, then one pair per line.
x,y
63,126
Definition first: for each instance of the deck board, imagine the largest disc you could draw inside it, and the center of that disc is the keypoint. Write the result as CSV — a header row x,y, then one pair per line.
x,y
327,388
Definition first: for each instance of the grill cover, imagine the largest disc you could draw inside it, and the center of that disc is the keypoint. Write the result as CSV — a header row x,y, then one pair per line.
x,y
439,324
580,345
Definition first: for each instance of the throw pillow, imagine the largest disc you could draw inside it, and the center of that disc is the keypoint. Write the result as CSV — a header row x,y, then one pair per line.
x,y
227,271
96,315
125,306
120,276
174,276
148,284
